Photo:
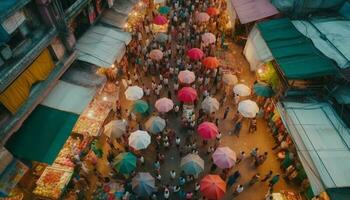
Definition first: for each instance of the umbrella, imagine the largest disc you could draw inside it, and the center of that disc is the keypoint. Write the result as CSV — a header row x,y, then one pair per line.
x,y
241,90
140,106
207,130
224,157
155,124
160,20
202,17
186,76
125,163
192,164
139,140
212,11
133,93
161,37
263,90
164,105
213,187
164,10
208,38
115,128
195,54
248,108
229,79
143,184
210,104
156,54
210,62
187,94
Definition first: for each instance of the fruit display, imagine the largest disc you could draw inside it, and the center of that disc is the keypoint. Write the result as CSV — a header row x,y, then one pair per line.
x,y
87,126
98,110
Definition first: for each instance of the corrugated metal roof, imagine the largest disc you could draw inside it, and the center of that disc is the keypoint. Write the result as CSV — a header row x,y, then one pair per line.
x,y
253,10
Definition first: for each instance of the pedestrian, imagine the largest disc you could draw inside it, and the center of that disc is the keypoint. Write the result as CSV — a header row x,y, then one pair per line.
x,y
156,165
176,188
213,167
182,181
267,176
218,137
237,128
254,179
147,91
239,189
142,160
166,193
236,98
172,174
166,144
197,186
226,112
177,142
210,150
254,153
274,180
252,126
176,109
261,159
240,157
189,195
166,82
159,177
233,178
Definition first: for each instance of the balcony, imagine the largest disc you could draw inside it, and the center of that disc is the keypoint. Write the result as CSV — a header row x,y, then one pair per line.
x,y
7,7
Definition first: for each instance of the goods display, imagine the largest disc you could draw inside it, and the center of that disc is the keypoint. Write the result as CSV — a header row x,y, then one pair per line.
x,y
52,182
11,176
286,195
14,197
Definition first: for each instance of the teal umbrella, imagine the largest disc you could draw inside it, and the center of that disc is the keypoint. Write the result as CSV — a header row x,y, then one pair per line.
x,y
143,184
263,90
192,164
155,124
164,10
125,163
140,106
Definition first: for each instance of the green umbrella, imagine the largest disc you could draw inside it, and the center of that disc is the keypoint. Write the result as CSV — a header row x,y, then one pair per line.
x,y
164,10
125,163
263,90
140,106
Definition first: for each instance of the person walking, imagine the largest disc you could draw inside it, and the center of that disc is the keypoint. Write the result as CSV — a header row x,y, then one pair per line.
x,y
177,142
237,128
239,189
267,176
254,179
166,193
172,174
142,160
240,157
233,178
274,180
226,112
254,153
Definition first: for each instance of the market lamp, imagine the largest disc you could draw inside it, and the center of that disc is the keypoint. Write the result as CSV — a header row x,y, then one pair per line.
x,y
260,70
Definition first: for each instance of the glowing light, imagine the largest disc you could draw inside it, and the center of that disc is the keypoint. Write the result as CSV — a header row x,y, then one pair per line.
x,y
90,114
112,66
126,25
140,3
260,70
104,98
135,13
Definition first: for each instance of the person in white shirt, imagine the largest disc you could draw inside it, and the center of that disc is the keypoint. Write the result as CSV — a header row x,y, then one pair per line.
x,y
176,86
206,80
147,91
172,174
166,82
166,193
142,160
160,77
200,80
177,141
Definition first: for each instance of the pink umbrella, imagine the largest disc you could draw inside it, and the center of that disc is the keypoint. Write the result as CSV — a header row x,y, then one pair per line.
x,y
164,105
202,17
195,54
224,157
208,38
207,130
187,95
186,76
160,20
156,54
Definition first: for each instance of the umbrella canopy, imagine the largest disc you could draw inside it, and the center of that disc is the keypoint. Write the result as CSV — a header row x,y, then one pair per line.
x,y
143,184
248,108
155,124
115,128
207,130
161,37
213,187
192,164
241,90
202,17
195,54
133,93
210,62
208,38
186,76
125,163
139,140
164,10
210,104
263,90
187,94
156,54
160,20
140,106
224,157
212,11
229,79
164,105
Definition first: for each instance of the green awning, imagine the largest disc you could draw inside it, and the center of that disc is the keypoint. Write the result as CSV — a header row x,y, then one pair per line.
x,y
342,95
339,193
295,54
42,135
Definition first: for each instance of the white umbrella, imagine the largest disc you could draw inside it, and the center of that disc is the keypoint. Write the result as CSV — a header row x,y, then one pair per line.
x,y
155,124
210,104
241,90
115,128
229,79
139,139
134,93
248,108
186,76
164,105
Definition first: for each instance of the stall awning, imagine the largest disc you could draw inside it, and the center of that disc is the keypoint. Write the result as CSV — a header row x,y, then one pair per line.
x,y
322,141
342,95
295,54
69,97
114,18
345,10
102,46
124,6
42,135
253,10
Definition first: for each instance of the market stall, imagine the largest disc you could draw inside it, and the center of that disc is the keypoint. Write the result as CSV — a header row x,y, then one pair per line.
x,y
9,178
286,195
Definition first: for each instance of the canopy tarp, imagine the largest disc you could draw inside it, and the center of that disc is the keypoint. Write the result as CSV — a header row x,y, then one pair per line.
x,y
102,46
42,135
253,10
322,141
124,6
295,54
342,94
345,10
339,193
69,97
114,18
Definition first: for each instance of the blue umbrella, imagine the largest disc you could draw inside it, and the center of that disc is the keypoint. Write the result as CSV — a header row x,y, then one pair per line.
x,y
143,184
263,90
192,164
155,124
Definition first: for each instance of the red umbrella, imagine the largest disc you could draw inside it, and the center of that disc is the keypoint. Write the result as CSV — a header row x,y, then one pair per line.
x,y
207,130
212,11
160,20
210,62
195,54
213,187
187,94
